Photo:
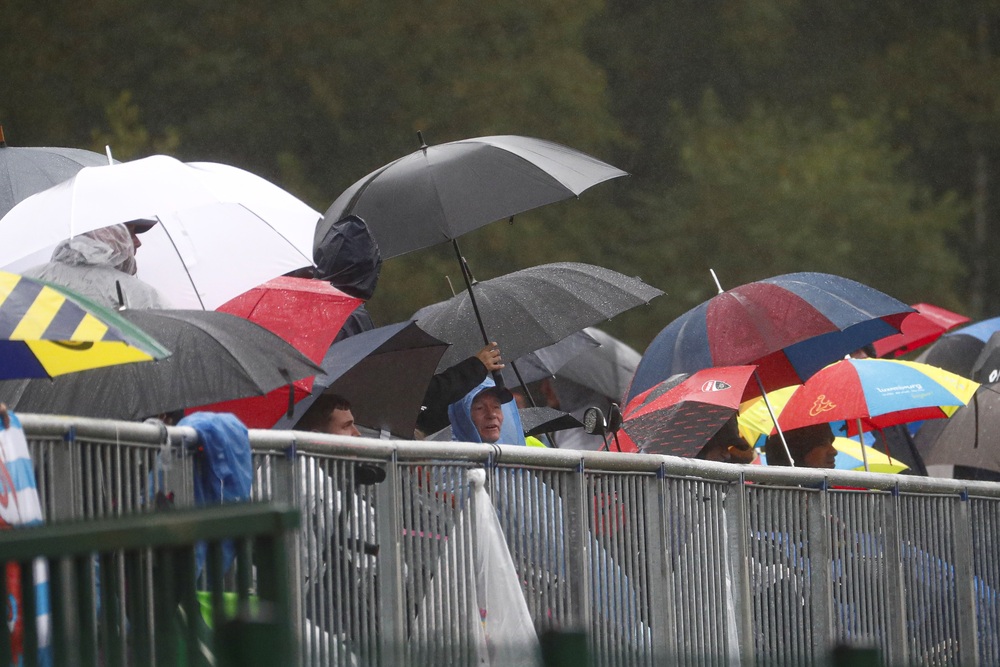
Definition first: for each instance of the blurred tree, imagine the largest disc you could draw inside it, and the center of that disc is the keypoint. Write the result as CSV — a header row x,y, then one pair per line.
x,y
773,194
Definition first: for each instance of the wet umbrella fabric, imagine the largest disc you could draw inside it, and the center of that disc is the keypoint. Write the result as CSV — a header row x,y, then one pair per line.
x,y
48,331
216,356
606,370
958,349
221,230
441,192
532,308
680,415
986,367
875,393
541,420
545,362
790,326
383,372
969,437
25,171
851,457
305,313
921,328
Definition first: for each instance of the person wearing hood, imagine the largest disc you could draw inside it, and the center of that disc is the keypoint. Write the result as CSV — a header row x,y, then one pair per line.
x,y
486,414
101,265
348,258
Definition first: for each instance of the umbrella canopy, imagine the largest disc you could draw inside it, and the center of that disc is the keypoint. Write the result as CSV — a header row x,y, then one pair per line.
x,y
681,414
969,438
851,457
25,171
921,328
958,349
222,230
544,362
540,420
605,370
383,372
47,331
870,393
305,313
986,367
789,326
216,356
532,308
440,192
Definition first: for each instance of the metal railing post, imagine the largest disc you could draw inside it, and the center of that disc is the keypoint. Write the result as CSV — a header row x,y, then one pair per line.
x,y
576,524
820,570
661,593
968,646
390,591
739,567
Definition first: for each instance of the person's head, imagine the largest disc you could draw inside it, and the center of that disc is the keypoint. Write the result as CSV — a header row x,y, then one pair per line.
x,y
136,227
330,413
348,258
487,415
810,447
727,446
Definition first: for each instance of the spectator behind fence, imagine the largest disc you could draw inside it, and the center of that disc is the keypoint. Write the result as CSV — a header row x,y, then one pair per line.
x,y
99,264
330,413
486,414
450,385
810,447
727,446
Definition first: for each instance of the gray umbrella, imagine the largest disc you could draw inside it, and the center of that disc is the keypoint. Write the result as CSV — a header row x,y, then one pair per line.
x,y
532,308
968,437
25,171
438,193
546,361
216,357
606,369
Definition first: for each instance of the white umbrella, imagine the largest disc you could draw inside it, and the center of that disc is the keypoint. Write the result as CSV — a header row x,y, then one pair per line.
x,y
222,230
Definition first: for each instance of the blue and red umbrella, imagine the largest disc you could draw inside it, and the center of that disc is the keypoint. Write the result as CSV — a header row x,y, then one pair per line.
x,y
790,326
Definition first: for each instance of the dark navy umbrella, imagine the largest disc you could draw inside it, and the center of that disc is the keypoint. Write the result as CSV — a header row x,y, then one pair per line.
x,y
790,326
383,372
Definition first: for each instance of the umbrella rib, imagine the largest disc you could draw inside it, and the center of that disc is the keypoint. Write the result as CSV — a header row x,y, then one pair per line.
x,y
194,287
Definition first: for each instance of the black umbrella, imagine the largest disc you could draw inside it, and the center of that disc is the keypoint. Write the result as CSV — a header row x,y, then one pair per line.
x,y
383,372
532,308
536,421
25,171
216,357
968,437
438,193
958,350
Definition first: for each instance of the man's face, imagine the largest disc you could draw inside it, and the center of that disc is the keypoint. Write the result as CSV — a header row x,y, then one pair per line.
x,y
342,423
820,456
487,416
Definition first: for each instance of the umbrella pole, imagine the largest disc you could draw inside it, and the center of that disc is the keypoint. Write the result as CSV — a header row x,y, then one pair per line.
x,y
770,411
861,441
467,275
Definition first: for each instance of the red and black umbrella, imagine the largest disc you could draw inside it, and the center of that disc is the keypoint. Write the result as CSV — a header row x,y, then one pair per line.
x,y
681,414
789,326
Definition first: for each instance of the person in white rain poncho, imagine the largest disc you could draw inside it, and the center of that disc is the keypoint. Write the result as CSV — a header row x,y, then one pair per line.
x,y
98,263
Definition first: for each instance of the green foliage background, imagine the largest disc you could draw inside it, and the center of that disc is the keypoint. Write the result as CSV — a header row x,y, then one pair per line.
x,y
762,136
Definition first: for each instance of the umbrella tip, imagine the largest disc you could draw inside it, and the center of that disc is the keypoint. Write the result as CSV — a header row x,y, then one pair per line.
x,y
718,285
107,149
420,138
3,142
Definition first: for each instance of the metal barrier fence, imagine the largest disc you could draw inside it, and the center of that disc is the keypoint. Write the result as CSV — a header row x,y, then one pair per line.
x,y
657,559
125,590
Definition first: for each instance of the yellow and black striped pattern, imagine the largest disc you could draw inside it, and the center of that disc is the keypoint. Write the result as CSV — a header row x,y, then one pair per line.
x,y
45,330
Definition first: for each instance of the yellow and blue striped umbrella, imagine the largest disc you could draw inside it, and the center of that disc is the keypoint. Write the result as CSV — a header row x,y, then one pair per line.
x,y
47,330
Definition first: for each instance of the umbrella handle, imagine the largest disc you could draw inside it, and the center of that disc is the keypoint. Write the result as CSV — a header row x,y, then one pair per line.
x,y
774,419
